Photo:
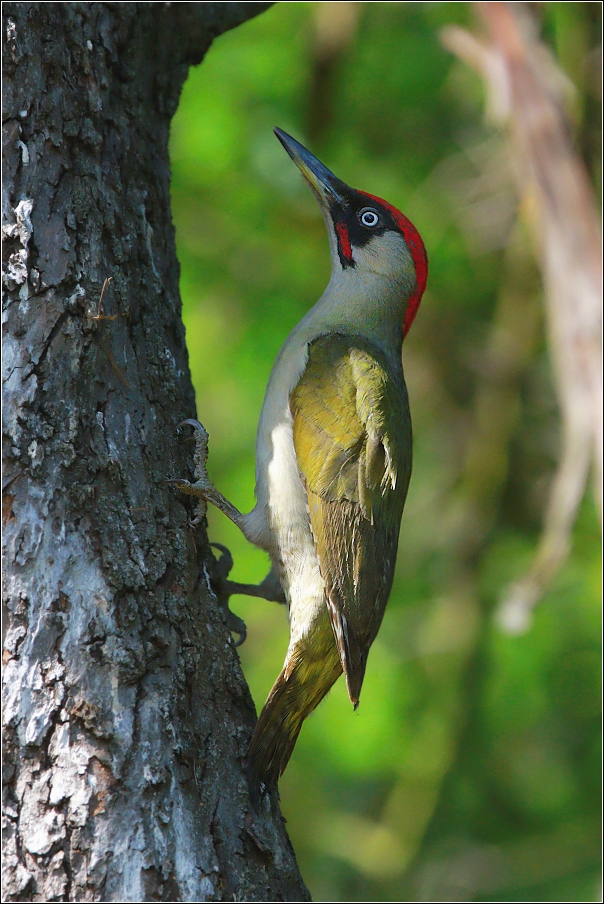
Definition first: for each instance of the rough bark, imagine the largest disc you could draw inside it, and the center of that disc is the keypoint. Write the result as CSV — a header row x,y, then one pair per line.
x,y
127,717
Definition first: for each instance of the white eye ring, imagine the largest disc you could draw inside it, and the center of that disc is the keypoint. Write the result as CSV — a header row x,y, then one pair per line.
x,y
369,217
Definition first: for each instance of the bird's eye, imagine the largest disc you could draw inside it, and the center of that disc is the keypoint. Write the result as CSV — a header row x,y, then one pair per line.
x,y
369,217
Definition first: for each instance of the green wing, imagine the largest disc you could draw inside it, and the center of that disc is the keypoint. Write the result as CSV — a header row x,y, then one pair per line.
x,y
352,436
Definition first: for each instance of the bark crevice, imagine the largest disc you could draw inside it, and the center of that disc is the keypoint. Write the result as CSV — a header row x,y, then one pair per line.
x,y
127,716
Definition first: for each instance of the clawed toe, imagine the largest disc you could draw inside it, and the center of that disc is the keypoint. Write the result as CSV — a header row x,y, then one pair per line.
x,y
177,481
192,423
225,563
237,626
203,488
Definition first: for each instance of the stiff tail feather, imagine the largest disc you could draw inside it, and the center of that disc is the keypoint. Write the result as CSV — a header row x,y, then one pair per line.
x,y
352,655
297,691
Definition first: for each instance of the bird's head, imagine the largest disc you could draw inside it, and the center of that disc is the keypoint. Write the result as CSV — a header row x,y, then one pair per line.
x,y
366,233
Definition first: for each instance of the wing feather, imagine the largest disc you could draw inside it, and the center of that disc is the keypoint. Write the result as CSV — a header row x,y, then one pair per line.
x,y
352,437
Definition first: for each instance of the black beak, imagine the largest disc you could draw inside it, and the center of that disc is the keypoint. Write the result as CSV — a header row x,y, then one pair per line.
x,y
327,187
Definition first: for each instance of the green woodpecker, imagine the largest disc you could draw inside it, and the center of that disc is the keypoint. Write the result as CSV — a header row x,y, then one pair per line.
x,y
333,459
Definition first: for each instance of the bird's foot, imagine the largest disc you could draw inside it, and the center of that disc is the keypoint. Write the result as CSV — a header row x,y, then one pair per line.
x,y
205,491
270,589
223,567
202,487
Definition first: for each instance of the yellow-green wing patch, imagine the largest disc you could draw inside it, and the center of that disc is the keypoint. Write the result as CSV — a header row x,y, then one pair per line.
x,y
352,436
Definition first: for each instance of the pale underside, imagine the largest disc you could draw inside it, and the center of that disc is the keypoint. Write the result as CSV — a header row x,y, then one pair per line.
x,y
333,462
336,478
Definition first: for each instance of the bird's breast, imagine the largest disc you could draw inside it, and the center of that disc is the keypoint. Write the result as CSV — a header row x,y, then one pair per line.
x,y
281,512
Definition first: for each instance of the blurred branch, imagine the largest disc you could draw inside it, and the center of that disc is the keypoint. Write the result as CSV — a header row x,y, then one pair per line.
x,y
523,85
456,624
335,28
508,353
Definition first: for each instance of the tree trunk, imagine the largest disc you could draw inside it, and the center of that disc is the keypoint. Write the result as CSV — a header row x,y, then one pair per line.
x,y
127,715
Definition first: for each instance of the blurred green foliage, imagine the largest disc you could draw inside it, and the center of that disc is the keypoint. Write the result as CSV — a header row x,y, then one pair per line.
x,y
471,770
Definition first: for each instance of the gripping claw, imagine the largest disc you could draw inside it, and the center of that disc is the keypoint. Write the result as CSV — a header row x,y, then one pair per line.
x,y
192,423
237,626
223,567
225,562
205,491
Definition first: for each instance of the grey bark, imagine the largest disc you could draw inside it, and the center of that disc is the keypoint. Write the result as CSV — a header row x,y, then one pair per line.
x,y
127,717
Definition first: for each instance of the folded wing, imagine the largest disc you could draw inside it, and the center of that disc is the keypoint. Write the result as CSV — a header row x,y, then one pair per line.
x,y
352,437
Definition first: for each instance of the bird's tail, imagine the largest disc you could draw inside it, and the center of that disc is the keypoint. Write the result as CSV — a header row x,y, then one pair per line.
x,y
297,691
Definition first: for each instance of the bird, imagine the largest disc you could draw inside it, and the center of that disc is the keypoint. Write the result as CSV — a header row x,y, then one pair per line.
x,y
333,460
